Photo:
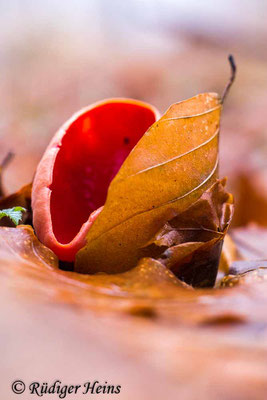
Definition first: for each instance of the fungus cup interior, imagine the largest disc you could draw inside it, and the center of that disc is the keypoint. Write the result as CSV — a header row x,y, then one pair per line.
x,y
91,153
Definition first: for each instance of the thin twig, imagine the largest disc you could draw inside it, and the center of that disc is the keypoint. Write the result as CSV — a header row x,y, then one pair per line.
x,y
3,165
232,77
6,160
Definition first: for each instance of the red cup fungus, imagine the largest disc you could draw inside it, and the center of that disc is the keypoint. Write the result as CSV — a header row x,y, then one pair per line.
x,y
73,176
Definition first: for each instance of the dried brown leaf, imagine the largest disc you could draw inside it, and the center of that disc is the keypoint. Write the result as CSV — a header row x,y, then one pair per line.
x,y
172,165
190,243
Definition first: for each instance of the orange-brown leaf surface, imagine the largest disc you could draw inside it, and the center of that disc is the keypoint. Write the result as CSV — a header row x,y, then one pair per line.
x,y
169,169
135,319
23,256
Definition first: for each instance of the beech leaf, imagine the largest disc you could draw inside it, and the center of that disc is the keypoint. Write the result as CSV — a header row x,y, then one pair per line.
x,y
20,250
169,169
190,243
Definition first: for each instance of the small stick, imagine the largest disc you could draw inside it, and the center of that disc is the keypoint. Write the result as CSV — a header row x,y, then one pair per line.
x,y
232,77
3,165
6,160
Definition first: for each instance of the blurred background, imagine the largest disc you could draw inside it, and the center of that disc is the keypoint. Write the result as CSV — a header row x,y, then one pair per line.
x,y
58,56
